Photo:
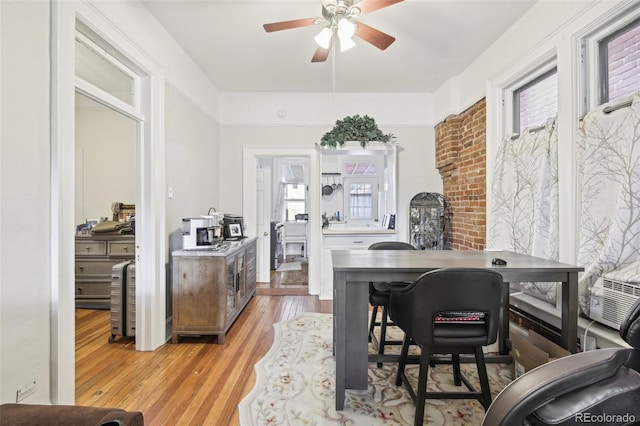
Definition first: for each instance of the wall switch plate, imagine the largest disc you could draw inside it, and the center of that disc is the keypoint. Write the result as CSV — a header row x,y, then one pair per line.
x,y
25,391
170,192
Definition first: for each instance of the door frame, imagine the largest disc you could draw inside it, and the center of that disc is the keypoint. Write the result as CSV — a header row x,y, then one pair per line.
x,y
250,156
263,208
150,202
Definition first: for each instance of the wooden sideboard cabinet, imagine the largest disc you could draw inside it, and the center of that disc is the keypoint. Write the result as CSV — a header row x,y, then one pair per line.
x,y
95,257
210,288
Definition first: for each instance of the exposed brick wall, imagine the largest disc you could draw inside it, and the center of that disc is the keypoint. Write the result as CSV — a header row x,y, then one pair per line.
x,y
461,160
539,102
624,64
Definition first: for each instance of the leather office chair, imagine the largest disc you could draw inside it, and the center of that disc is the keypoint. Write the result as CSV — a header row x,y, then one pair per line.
x,y
379,297
434,312
578,388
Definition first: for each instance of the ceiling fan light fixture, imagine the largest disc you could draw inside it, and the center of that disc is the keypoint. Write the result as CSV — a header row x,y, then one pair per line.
x,y
346,43
323,39
346,30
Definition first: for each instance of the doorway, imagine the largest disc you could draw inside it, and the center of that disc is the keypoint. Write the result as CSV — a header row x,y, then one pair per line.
x,y
283,207
105,177
67,17
253,158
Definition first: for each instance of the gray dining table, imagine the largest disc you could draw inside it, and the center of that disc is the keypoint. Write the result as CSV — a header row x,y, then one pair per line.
x,y
354,269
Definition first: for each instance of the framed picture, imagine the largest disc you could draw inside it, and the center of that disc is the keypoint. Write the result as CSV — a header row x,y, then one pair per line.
x,y
235,230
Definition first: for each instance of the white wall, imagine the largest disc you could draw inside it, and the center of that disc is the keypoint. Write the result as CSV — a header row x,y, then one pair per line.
x,y
105,161
193,167
25,286
323,109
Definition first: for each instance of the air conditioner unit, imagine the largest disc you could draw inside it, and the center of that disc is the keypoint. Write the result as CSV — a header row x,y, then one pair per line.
x,y
611,301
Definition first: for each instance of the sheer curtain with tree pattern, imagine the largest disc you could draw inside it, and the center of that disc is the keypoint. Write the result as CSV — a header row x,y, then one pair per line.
x,y
524,208
608,147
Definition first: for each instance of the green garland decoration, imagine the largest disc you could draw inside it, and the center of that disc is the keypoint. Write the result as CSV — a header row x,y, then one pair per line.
x,y
355,128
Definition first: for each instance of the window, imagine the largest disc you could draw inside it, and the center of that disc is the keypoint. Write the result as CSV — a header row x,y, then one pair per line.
x,y
619,66
361,188
294,200
360,200
536,101
291,194
102,70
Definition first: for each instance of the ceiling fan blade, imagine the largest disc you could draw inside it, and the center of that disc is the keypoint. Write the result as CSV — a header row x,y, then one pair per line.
x,y
321,54
286,25
373,36
368,6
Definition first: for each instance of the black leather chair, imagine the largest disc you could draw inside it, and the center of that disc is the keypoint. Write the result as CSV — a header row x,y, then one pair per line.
x,y
379,297
595,387
434,312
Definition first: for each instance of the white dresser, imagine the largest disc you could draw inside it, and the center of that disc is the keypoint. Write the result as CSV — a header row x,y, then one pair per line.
x,y
95,257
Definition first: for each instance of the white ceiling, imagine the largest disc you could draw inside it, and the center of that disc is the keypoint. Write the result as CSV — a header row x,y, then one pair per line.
x,y
435,40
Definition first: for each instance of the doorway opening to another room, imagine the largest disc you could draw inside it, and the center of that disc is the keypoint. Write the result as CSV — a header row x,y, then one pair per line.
x,y
291,247
281,203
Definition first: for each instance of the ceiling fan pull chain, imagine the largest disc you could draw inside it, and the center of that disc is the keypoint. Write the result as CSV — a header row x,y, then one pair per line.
x,y
333,69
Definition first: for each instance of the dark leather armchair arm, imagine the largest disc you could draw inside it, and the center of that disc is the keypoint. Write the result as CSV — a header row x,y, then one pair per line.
x,y
560,377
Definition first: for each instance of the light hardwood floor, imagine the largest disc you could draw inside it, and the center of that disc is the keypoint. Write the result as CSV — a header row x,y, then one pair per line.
x,y
194,382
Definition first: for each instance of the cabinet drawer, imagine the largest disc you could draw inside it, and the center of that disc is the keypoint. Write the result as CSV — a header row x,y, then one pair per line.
x,y
121,248
93,289
91,248
94,268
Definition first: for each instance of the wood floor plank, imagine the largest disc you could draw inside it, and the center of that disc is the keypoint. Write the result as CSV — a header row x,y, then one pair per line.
x,y
194,382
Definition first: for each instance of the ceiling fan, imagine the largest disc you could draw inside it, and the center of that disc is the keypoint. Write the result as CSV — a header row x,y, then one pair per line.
x,y
339,18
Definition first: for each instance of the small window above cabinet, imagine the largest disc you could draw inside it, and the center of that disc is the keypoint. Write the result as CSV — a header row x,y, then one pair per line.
x,y
363,181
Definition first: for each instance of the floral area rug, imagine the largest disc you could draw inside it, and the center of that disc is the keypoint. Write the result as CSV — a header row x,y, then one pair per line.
x,y
295,385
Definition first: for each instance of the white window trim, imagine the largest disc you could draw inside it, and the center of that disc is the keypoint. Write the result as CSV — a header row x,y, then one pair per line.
x,y
100,96
537,69
135,98
589,52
